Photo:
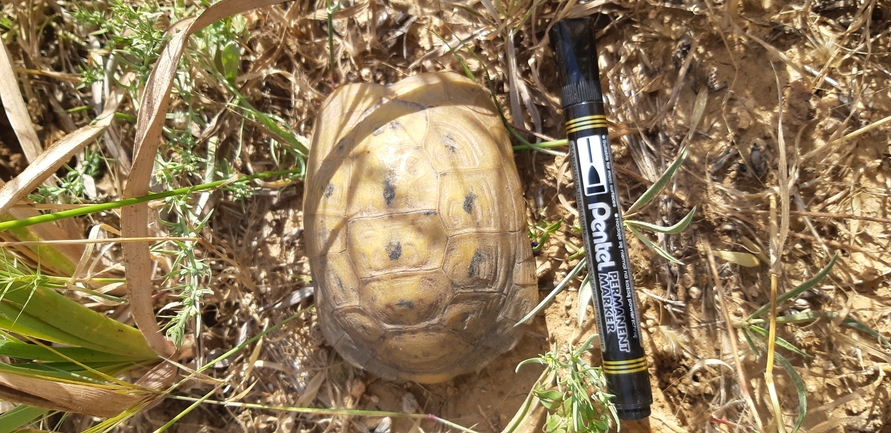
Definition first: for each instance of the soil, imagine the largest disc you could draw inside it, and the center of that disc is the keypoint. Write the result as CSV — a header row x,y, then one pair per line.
x,y
801,89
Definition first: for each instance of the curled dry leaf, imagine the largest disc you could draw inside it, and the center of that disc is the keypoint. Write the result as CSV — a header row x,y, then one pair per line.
x,y
134,219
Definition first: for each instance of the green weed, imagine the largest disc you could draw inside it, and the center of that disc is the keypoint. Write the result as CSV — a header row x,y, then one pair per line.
x,y
574,395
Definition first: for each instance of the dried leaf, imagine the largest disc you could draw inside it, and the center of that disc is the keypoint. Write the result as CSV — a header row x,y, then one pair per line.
x,y
150,120
16,109
68,397
743,259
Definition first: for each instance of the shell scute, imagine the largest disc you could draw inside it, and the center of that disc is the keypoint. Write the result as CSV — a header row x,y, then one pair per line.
x,y
391,180
407,299
393,244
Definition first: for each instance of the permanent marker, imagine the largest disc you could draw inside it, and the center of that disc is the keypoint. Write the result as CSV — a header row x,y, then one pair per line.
x,y
624,360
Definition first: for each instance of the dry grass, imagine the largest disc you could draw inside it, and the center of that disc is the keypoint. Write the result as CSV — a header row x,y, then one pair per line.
x,y
797,113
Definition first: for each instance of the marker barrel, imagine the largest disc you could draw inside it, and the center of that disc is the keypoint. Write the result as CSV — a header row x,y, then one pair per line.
x,y
624,360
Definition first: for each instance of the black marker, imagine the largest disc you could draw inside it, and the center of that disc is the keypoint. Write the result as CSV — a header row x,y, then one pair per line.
x,y
624,360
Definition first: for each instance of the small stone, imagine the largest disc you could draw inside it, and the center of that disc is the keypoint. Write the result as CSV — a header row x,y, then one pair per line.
x,y
384,426
409,403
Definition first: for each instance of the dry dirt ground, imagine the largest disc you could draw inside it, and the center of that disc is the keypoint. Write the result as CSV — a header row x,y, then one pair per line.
x,y
797,106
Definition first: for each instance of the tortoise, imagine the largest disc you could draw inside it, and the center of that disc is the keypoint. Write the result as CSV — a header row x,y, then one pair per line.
x,y
415,228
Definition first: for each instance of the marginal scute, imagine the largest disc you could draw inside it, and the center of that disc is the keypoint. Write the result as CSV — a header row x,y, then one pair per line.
x,y
341,283
360,325
470,313
415,228
520,301
325,234
424,349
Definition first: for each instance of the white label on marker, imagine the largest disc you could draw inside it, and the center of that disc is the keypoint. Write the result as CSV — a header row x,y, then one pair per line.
x,y
593,164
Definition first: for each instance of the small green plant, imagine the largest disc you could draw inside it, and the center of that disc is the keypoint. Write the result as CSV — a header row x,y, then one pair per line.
x,y
573,392
128,34
75,184
634,226
131,40
757,336
541,232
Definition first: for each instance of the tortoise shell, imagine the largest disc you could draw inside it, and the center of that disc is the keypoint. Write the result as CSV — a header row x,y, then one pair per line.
x,y
415,228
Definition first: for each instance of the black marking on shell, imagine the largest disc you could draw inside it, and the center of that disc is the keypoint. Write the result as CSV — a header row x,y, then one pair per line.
x,y
379,130
329,189
389,191
474,269
469,199
417,106
341,144
371,109
429,212
405,304
449,142
339,283
394,250
465,318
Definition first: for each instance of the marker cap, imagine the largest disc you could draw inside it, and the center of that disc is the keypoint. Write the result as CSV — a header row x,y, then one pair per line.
x,y
573,41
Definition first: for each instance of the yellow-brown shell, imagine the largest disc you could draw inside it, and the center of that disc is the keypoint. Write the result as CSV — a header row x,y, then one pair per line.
x,y
415,228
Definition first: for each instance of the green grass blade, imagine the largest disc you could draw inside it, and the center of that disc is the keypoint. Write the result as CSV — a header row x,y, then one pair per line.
x,y
649,244
91,373
45,373
547,300
800,388
48,313
18,417
747,260
781,342
458,57
675,229
800,289
33,352
13,320
810,316
47,253
101,207
109,424
660,183
273,126
860,326
186,411
749,340
807,316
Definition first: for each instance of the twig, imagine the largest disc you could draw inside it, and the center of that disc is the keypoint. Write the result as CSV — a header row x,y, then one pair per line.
x,y
728,322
